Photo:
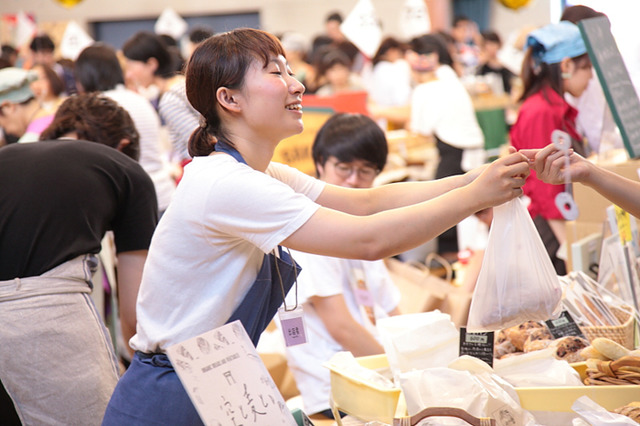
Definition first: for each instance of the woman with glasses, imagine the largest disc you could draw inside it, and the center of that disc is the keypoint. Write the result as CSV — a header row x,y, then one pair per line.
x,y
214,250
341,298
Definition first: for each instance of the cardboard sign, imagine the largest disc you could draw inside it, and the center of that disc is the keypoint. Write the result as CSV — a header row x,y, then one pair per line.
x,y
227,381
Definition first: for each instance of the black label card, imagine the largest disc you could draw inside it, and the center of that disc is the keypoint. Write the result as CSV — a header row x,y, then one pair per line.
x,y
479,345
564,326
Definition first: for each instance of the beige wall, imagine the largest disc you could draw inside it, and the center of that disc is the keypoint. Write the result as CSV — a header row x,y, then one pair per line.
x,y
304,16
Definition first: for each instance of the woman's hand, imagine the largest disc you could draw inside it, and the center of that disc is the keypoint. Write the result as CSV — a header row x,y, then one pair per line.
x,y
502,180
550,165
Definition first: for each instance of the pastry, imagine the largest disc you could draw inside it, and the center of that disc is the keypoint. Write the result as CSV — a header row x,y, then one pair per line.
x,y
519,334
592,353
536,345
609,348
568,348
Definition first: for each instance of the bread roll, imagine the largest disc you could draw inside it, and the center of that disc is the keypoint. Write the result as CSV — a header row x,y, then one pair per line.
x,y
519,334
609,348
592,353
503,349
536,345
568,348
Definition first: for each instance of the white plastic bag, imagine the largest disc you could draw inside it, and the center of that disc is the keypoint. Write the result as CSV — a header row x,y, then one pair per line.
x,y
517,281
417,341
473,388
537,368
594,414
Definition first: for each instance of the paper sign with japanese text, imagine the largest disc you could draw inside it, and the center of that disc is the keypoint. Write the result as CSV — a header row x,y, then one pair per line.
x,y
227,381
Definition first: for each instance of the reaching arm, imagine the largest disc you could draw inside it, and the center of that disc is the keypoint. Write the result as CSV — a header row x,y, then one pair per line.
x,y
404,225
130,265
363,202
549,164
349,333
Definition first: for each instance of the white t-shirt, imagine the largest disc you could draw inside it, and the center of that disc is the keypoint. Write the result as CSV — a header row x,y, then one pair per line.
x,y
390,83
444,108
328,276
152,159
210,243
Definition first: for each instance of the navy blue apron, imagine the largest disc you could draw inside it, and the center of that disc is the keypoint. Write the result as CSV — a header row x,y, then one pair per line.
x,y
275,278
150,391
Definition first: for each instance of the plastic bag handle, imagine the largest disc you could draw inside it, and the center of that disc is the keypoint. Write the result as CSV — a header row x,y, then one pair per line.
x,y
446,412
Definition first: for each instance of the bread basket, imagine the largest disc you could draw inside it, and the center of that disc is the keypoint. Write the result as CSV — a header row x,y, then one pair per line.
x,y
623,334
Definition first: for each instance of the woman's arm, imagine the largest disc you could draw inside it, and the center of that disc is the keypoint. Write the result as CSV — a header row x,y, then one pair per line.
x,y
130,265
362,202
333,233
549,164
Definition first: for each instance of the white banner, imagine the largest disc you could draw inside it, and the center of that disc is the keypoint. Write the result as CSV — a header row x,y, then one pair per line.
x,y
170,23
74,40
414,19
362,28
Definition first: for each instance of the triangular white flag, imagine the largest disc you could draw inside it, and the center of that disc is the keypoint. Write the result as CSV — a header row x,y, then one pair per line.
x,y
170,23
362,28
25,29
74,40
414,19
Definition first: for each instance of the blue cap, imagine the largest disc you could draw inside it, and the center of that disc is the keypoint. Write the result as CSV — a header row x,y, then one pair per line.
x,y
14,85
554,42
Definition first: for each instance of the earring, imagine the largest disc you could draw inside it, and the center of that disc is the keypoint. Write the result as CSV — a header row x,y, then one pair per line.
x,y
566,75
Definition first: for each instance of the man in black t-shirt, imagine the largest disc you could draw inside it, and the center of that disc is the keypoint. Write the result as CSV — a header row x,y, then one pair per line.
x,y
59,198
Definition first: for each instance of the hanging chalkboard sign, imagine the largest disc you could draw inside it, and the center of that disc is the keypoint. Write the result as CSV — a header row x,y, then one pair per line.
x,y
613,75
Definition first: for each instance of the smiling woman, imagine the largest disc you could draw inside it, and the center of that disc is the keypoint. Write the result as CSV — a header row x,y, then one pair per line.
x,y
212,257
556,63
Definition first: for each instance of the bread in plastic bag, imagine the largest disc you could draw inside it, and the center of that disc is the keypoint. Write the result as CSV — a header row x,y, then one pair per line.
x,y
517,281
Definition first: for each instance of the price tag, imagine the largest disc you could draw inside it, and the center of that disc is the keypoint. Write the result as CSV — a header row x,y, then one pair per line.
x,y
563,326
293,326
479,345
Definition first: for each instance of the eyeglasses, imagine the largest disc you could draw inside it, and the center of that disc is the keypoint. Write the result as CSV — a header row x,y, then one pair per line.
x,y
345,170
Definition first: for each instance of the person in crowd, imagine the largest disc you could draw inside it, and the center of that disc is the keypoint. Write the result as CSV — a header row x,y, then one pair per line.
x,y
48,88
42,52
212,254
295,47
335,71
9,54
490,64
349,150
390,81
467,41
591,105
332,26
452,48
442,107
174,51
149,64
98,70
21,115
550,166
556,63
59,364
196,36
